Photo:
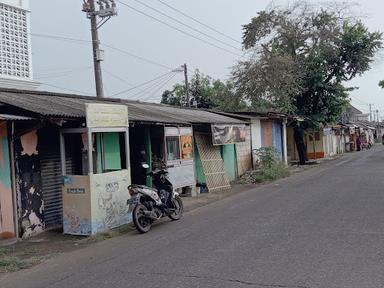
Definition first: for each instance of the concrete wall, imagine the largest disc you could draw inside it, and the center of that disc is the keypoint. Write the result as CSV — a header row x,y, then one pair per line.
x,y
255,133
244,154
95,203
7,225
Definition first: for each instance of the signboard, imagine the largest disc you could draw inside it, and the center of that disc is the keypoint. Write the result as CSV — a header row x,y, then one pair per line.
x,y
228,134
106,115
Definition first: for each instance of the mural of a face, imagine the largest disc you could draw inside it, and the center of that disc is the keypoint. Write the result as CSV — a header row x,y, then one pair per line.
x,y
29,143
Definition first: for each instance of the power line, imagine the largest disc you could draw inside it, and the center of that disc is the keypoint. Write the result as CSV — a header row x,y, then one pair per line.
x,y
137,57
79,41
117,77
122,80
142,84
60,74
186,25
153,86
67,89
198,21
180,30
68,39
162,86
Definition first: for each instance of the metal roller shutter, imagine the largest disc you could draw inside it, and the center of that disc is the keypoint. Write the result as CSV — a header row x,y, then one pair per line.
x,y
51,178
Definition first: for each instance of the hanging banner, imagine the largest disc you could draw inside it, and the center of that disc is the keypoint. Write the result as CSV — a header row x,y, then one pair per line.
x,y
228,134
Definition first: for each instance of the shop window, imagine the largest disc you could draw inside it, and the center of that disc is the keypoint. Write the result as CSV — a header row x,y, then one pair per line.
x,y
173,148
108,153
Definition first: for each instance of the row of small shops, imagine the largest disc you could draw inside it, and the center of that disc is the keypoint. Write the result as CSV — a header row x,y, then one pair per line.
x,y
66,160
330,141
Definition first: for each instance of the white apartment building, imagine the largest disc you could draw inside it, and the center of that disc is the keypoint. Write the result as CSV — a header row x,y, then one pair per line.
x,y
15,45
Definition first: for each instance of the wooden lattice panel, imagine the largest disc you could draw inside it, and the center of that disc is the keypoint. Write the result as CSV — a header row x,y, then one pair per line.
x,y
213,164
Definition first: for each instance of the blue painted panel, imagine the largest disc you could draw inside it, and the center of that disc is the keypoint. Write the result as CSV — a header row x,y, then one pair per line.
x,y
278,138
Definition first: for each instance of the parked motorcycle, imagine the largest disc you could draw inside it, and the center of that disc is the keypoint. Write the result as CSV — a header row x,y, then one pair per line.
x,y
151,204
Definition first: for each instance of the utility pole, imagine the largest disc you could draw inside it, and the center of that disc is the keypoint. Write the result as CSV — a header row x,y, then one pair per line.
x,y
107,9
370,112
186,85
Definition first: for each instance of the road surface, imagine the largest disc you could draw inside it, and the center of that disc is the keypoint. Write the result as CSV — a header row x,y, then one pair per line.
x,y
321,228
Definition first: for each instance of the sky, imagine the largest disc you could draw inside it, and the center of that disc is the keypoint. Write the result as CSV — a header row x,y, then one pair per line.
x,y
139,48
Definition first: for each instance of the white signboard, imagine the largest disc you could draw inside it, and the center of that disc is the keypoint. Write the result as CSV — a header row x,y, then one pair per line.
x,y
106,115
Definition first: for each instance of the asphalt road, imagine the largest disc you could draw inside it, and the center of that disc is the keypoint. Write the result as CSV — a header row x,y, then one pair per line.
x,y
320,228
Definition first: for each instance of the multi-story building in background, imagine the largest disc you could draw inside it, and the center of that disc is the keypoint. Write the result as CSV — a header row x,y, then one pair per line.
x,y
15,45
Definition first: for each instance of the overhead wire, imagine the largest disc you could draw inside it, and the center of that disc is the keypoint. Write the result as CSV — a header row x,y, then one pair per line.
x,y
142,84
186,25
178,29
198,21
74,40
154,85
60,74
67,89
161,87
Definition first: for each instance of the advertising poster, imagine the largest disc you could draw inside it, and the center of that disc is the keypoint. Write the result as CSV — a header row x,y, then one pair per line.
x,y
228,134
186,147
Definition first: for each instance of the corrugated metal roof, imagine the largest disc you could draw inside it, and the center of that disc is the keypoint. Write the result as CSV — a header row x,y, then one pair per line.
x,y
69,105
13,117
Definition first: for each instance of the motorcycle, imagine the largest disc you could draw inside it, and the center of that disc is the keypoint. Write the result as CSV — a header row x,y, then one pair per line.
x,y
151,204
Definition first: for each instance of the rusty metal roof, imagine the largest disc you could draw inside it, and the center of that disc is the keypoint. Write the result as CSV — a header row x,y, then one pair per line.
x,y
60,105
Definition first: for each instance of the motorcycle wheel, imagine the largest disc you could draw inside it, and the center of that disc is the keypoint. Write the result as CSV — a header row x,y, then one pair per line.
x,y
179,209
141,222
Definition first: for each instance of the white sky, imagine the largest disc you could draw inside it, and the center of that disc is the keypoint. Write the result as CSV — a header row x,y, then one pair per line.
x,y
69,65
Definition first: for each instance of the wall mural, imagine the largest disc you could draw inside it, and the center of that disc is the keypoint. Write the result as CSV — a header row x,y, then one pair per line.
x,y
28,184
109,200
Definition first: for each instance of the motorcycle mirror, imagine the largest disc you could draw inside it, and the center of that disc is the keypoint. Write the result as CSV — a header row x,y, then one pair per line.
x,y
145,165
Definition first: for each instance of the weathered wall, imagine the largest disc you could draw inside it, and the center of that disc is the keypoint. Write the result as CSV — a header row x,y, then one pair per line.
x,y
7,225
244,154
77,205
266,133
256,133
109,195
95,203
291,146
28,184
315,145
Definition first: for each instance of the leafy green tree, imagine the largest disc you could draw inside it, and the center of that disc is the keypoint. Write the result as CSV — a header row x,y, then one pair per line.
x,y
206,93
300,59
381,84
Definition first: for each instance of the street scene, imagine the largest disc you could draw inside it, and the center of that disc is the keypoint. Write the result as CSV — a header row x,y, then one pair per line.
x,y
176,144
319,228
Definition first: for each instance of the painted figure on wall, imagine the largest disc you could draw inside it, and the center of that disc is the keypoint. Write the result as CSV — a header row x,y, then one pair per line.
x,y
29,184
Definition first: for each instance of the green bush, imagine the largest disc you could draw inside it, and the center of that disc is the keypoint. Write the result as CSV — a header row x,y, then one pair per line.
x,y
269,168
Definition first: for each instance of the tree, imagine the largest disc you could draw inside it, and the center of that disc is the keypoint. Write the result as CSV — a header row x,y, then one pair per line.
x,y
301,58
207,93
381,84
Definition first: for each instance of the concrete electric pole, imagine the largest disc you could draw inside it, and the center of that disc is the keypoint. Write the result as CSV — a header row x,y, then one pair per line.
x,y
107,9
186,85
370,112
